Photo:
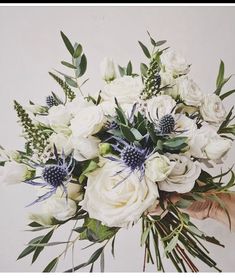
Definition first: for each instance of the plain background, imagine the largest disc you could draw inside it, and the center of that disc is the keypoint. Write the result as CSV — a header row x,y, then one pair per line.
x,y
30,46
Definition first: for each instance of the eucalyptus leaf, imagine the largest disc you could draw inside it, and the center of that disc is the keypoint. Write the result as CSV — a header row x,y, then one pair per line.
x,y
67,43
78,51
171,245
39,249
83,65
143,69
71,82
51,267
122,70
220,76
145,49
64,63
129,68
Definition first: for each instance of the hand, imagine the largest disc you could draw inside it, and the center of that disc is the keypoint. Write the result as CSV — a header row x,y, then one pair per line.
x,y
209,209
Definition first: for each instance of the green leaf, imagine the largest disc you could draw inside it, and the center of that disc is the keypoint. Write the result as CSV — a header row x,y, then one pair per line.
x,y
175,143
227,120
145,49
102,262
194,230
29,249
51,267
96,232
126,132
153,42
78,51
122,70
121,115
91,166
64,63
159,43
185,217
137,134
145,235
34,224
39,249
129,68
71,82
92,259
220,76
67,43
222,97
83,65
171,245
182,203
143,69
112,247
79,229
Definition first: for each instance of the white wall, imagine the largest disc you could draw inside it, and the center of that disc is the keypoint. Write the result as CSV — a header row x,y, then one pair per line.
x,y
30,46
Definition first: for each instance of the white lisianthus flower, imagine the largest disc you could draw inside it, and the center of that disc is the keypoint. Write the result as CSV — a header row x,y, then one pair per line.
x,y
207,144
59,118
126,89
217,148
158,167
189,91
212,109
183,175
55,208
74,190
185,126
62,143
87,121
13,173
115,201
85,148
174,62
159,106
77,104
107,69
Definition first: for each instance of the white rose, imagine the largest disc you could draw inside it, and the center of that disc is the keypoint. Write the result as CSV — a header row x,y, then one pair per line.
x,y
185,126
174,62
107,69
183,175
87,121
13,173
207,144
85,148
62,142
189,91
59,118
212,109
55,207
126,89
117,205
159,106
158,167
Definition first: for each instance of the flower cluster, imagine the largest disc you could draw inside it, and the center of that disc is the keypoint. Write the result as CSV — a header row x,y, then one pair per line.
x,y
107,159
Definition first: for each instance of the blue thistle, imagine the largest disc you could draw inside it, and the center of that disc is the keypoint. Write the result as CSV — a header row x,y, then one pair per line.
x,y
54,176
132,158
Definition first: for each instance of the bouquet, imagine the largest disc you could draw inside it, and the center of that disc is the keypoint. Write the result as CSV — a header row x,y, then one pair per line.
x,y
106,161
